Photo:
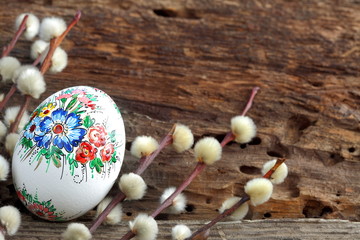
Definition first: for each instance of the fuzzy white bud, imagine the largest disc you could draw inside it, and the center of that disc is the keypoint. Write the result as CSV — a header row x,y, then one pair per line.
x,y
180,232
208,150
144,227
32,25
10,142
183,138
76,231
280,173
4,168
30,81
51,27
2,96
8,65
143,146
243,128
10,218
239,213
37,48
115,214
59,60
10,116
133,186
179,202
259,190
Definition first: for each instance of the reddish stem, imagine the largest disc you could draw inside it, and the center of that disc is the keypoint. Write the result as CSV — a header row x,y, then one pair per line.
x,y
8,96
55,42
14,126
199,167
147,160
128,235
279,161
117,199
250,101
37,60
47,60
69,27
243,199
221,216
11,45
228,138
169,201
144,163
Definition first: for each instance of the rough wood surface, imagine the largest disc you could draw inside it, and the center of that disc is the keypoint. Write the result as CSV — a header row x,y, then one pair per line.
x,y
195,62
248,229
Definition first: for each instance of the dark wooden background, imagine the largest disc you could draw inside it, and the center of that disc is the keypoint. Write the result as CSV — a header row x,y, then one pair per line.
x,y
195,62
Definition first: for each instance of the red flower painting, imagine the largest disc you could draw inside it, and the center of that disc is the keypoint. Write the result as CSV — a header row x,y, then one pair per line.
x,y
97,135
42,211
86,152
107,152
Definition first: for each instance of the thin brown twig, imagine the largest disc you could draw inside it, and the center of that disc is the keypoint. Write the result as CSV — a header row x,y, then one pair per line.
x,y
37,60
251,99
243,199
117,199
11,92
169,201
230,136
144,163
14,126
55,42
7,49
197,170
279,161
221,216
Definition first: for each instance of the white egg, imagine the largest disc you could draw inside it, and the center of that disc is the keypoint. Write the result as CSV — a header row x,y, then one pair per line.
x,y
69,154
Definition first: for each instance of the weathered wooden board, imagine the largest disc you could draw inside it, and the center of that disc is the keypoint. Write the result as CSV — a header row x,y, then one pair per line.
x,y
195,62
274,229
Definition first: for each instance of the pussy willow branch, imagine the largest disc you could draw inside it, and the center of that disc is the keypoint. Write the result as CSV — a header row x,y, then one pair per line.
x,y
7,97
54,43
7,49
230,136
250,102
24,106
243,199
168,202
144,163
197,170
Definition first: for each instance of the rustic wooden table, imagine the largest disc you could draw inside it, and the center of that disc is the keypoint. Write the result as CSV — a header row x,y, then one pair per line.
x,y
195,62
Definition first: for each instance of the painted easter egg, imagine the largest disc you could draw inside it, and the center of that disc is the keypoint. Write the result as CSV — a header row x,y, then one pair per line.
x,y
69,154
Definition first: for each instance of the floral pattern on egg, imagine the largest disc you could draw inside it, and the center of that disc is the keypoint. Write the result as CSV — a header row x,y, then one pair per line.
x,y
43,209
58,126
73,145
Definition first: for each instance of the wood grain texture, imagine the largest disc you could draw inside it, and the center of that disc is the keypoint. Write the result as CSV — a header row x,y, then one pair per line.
x,y
274,229
195,62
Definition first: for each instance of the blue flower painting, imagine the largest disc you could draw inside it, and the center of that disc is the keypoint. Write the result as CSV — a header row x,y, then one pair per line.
x,y
63,129
31,128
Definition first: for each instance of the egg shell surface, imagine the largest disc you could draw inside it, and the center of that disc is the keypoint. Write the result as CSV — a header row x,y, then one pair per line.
x,y
69,154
